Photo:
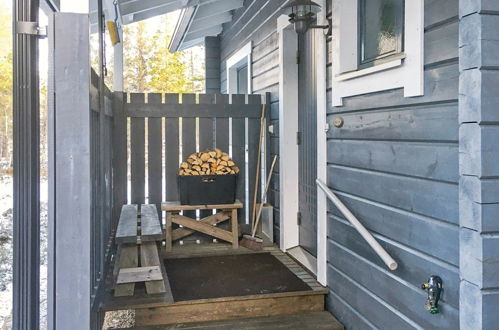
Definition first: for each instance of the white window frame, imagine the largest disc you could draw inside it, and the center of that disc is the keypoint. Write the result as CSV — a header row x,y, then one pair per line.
x,y
403,71
241,58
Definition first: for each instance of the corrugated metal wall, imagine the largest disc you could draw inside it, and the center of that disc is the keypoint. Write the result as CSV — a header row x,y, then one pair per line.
x,y
394,163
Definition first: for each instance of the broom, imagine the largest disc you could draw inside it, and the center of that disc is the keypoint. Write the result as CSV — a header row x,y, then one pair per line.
x,y
258,165
251,241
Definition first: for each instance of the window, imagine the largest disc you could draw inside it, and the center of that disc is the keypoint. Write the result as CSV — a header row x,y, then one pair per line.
x,y
242,80
377,45
239,71
381,30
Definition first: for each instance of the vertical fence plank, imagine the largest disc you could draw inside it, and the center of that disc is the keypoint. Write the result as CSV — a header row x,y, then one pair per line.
x,y
206,136
108,178
222,125
268,157
108,174
238,155
188,137
253,141
206,124
137,153
171,152
154,156
188,129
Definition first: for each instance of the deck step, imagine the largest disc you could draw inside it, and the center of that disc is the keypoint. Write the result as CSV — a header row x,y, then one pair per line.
x,y
228,308
316,320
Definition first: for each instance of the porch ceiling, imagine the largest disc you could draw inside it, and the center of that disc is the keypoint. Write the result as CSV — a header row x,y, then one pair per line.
x,y
137,10
204,19
198,19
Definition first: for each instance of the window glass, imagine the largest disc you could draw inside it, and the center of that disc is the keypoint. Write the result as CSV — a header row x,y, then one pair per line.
x,y
381,29
242,80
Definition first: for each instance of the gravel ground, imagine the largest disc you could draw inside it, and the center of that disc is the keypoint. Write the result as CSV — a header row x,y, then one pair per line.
x,y
119,319
6,203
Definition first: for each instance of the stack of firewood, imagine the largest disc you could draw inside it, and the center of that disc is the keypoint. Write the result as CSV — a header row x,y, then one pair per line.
x,y
210,162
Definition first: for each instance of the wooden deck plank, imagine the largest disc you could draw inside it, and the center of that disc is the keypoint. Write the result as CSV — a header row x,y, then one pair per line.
x,y
128,259
176,206
149,223
139,274
127,225
314,320
149,257
235,309
141,300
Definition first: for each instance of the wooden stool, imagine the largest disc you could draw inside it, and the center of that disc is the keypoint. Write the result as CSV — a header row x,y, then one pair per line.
x,y
206,225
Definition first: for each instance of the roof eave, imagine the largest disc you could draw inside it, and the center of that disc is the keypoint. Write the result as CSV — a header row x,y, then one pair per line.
x,y
181,28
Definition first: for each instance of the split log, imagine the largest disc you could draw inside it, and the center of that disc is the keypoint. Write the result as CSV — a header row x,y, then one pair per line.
x,y
209,162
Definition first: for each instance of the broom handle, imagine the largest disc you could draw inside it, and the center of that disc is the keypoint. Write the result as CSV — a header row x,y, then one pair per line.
x,y
267,184
258,167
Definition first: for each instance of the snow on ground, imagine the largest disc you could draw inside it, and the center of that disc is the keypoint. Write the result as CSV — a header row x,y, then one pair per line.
x,y
5,249
6,204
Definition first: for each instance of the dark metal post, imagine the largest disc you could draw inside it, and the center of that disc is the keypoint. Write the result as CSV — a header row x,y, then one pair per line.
x,y
26,286
101,187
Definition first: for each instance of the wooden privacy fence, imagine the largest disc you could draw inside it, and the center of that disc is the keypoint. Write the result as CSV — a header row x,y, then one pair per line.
x,y
101,125
153,133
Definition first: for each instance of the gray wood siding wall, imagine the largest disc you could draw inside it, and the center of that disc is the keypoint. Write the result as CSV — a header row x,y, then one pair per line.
x,y
212,65
479,163
257,22
395,165
401,181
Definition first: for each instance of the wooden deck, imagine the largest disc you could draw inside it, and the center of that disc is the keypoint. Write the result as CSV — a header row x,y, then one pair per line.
x,y
304,321
161,309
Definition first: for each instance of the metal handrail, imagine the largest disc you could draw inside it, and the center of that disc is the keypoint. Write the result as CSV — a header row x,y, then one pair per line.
x,y
369,238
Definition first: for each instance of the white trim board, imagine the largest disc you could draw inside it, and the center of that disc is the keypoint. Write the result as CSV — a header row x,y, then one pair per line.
x,y
288,126
321,83
288,149
304,258
239,59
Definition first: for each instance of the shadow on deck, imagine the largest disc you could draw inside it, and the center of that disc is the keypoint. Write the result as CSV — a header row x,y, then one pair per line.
x,y
213,286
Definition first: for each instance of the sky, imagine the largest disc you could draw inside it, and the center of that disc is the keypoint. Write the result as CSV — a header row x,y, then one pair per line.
x,y
72,6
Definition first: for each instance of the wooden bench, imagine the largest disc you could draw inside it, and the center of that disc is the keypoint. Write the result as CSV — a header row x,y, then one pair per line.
x,y
137,234
206,225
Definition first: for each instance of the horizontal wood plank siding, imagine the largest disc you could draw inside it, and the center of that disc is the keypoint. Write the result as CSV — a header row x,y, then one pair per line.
x,y
394,163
